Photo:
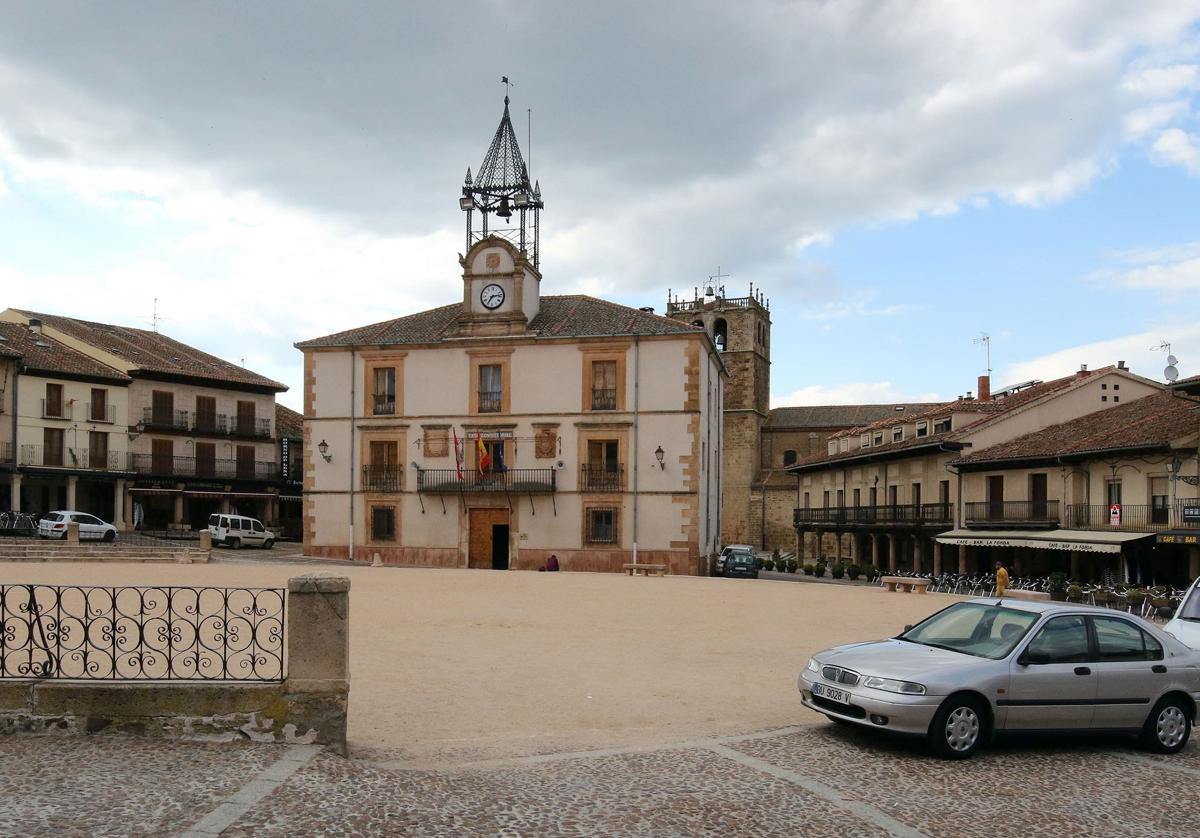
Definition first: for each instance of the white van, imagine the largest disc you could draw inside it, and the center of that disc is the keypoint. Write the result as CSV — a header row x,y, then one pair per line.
x,y
237,530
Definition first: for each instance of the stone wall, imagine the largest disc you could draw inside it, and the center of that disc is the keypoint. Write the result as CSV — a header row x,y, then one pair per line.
x,y
309,706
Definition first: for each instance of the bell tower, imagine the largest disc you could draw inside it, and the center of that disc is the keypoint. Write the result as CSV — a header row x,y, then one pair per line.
x,y
741,329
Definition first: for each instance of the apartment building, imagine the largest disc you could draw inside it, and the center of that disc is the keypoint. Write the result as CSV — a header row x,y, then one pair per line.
x,y
884,491
189,433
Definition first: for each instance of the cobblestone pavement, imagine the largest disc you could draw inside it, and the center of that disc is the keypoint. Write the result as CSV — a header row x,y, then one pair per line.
x,y
810,780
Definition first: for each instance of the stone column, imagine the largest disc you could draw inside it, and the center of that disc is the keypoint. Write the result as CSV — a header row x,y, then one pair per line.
x,y
893,548
72,533
179,503
817,535
1076,557
1018,561
937,558
918,554
72,485
962,559
119,505
14,493
875,537
318,647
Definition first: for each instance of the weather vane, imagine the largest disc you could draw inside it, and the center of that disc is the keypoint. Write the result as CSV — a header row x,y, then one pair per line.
x,y
507,84
715,278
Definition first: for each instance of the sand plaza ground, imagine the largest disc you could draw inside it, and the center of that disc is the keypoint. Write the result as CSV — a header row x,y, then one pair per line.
x,y
526,703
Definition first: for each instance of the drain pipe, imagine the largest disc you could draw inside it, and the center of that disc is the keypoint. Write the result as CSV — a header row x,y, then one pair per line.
x,y
637,382
353,396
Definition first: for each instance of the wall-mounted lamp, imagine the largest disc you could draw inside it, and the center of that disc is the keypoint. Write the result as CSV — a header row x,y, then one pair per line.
x,y
323,447
659,454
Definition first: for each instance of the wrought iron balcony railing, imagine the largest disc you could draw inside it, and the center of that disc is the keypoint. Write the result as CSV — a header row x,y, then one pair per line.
x,y
448,481
383,478
250,426
383,404
164,466
490,401
164,420
56,409
81,459
210,423
106,413
7,453
601,477
1127,517
604,398
1026,513
923,514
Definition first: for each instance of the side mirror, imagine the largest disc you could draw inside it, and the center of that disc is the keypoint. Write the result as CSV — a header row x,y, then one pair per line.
x,y
907,628
1033,658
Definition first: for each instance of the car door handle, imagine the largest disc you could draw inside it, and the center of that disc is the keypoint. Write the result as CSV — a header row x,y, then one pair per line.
x,y
1083,670
1158,668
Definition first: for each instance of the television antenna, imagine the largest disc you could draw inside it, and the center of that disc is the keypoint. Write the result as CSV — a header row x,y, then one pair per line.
x,y
986,340
1171,373
155,317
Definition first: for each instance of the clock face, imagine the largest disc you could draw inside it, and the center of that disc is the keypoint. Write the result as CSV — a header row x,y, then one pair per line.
x,y
492,296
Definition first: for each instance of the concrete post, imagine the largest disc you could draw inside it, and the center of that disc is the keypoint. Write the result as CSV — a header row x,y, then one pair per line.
x,y
14,493
119,505
318,645
937,558
892,550
72,533
205,540
72,486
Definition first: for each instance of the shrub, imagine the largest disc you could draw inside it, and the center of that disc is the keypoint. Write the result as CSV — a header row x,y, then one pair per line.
x,y
1074,593
775,555
1058,581
792,565
853,571
868,570
819,570
758,563
768,564
808,569
838,571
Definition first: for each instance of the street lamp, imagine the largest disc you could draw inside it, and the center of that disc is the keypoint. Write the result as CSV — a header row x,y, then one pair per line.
x,y
659,454
323,447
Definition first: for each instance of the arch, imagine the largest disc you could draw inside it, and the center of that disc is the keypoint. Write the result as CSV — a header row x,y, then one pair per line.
x,y
720,333
789,457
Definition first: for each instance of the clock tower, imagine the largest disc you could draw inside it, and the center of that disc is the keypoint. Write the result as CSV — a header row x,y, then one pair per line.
x,y
501,280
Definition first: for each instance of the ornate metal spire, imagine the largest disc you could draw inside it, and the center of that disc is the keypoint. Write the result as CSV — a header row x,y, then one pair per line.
x,y
501,188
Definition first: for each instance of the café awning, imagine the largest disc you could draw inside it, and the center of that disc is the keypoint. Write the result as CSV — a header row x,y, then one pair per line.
x,y
1080,541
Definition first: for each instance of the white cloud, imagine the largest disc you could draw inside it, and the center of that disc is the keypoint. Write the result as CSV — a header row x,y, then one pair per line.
x,y
853,392
1171,270
4,190
1138,350
1162,82
1177,147
1142,122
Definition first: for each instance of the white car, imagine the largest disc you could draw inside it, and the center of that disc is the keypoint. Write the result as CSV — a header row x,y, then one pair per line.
x,y
237,530
91,528
1185,625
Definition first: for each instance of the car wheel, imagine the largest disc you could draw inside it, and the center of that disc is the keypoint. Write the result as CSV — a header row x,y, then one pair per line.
x,y
958,728
233,543
268,544
1168,726
109,535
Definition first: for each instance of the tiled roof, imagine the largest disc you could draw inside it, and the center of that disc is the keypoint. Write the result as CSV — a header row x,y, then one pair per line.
x,y
839,415
156,353
288,422
1149,422
565,316
44,353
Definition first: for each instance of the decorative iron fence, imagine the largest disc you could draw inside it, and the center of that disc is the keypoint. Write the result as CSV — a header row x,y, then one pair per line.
x,y
72,632
1023,512
899,514
601,477
449,481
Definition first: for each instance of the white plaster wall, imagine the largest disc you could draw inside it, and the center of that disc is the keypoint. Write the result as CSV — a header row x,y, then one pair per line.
x,y
31,392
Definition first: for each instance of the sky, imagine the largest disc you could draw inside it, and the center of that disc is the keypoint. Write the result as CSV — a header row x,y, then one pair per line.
x,y
899,178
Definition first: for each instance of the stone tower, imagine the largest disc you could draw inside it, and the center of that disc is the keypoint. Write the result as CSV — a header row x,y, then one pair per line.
x,y
741,329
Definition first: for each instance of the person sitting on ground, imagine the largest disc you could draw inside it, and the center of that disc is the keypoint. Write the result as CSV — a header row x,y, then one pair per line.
x,y
1001,579
552,562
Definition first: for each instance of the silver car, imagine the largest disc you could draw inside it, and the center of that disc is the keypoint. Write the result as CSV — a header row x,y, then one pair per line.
x,y
986,666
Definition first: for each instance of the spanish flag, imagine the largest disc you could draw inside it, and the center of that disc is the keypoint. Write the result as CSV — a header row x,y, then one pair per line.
x,y
485,459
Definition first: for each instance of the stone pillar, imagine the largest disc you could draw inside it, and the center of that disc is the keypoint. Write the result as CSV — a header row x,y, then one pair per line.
x,y
72,533
1076,558
179,503
14,493
937,558
205,540
1018,561
129,502
918,554
318,648
962,559
72,485
893,548
225,503
119,505
817,535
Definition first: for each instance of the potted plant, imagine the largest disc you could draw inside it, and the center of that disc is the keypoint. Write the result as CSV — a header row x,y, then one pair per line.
x,y
1074,593
1135,597
792,565
768,564
808,569
838,571
759,563
868,571
1058,586
775,556
819,570
853,571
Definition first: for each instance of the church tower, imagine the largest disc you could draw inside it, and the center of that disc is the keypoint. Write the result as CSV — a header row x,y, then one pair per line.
x,y
501,280
741,329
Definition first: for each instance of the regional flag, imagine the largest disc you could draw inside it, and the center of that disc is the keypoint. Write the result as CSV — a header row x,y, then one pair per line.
x,y
485,459
458,456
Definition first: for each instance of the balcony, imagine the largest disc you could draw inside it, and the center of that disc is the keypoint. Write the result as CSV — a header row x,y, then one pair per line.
x,y
204,467
6,453
216,424
72,459
448,481
896,515
164,420
1132,517
604,398
601,477
490,401
56,409
250,426
383,479
98,412
383,404
1011,513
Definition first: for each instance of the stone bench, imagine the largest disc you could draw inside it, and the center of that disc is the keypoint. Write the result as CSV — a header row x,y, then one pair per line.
x,y
646,569
904,584
1033,595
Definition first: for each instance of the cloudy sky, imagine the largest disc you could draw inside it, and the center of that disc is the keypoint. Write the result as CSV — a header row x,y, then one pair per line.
x,y
898,177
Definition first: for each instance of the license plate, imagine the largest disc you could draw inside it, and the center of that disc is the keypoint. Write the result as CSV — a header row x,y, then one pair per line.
x,y
831,693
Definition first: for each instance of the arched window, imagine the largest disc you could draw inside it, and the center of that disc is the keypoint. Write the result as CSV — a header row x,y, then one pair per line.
x,y
720,333
789,457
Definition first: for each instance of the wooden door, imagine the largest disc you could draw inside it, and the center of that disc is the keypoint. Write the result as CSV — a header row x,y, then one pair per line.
x,y
479,546
1038,497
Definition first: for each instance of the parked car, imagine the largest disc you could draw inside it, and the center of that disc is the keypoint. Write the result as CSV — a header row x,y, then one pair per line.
x,y
726,550
1185,625
91,528
988,666
237,530
741,562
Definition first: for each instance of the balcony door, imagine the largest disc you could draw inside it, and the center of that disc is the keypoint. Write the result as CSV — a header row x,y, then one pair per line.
x,y
995,497
604,466
245,462
1038,507
383,467
162,456
162,407
97,449
245,418
206,415
52,446
206,459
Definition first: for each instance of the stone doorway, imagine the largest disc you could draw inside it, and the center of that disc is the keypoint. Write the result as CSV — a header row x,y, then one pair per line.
x,y
488,539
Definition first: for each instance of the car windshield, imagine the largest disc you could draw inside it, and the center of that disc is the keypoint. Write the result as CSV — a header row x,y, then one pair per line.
x,y
1190,610
985,631
739,556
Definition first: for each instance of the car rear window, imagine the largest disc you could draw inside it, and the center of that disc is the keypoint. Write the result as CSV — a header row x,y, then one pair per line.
x,y
214,520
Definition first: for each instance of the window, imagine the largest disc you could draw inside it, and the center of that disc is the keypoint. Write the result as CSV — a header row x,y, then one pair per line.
x,y
383,523
858,497
1061,640
98,449
1104,398
52,407
878,438
1159,511
206,459
602,472
206,415
1112,492
256,526
601,525
1120,640
898,434
382,472
491,388
1116,386
941,426
604,385
865,441
922,428
52,445
245,462
825,499
98,408
720,334
986,631
789,457
245,417
1103,386
162,407
383,391
1116,398
916,494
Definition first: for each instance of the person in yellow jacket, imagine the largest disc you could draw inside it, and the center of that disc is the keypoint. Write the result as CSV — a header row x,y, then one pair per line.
x,y
1001,579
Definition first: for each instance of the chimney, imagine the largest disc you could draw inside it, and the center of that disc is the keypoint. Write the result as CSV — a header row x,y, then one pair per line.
x,y
1082,371
1120,365
35,325
985,388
